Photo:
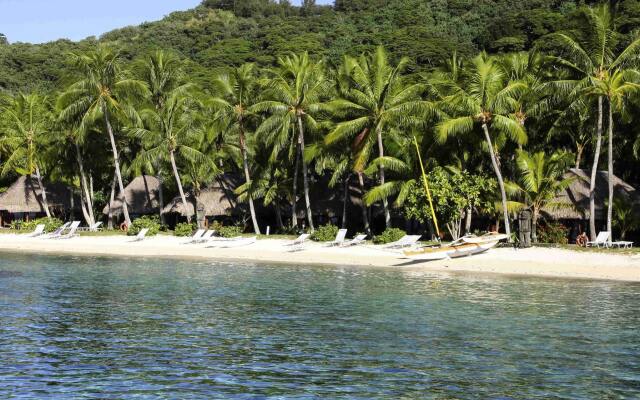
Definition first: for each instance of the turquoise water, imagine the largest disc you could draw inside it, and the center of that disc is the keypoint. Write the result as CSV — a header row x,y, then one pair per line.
x,y
76,327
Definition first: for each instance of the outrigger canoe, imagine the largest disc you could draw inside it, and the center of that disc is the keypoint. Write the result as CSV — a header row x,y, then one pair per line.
x,y
465,246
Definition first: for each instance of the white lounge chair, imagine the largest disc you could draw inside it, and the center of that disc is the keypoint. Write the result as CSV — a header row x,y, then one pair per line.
x,y
237,242
141,235
58,232
359,239
206,237
37,232
196,236
601,240
622,244
342,233
72,231
405,241
298,243
95,227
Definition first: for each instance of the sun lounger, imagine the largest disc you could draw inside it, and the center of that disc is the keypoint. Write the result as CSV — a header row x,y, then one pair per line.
x,y
206,237
601,240
92,228
237,242
405,241
196,236
57,232
298,243
359,239
72,231
37,232
342,233
622,244
141,235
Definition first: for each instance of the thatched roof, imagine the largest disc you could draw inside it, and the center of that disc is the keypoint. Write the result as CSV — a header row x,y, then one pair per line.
x,y
577,195
218,199
142,197
25,195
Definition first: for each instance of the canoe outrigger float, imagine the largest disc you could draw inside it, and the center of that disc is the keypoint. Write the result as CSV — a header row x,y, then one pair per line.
x,y
465,246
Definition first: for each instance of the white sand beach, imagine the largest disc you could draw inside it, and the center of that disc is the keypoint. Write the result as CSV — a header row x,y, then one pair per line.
x,y
544,262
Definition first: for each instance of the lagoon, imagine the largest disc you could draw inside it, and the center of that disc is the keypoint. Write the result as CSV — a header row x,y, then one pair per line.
x,y
96,327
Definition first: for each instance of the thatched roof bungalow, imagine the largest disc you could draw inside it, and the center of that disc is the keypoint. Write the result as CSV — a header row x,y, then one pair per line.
x,y
218,199
25,196
576,196
141,195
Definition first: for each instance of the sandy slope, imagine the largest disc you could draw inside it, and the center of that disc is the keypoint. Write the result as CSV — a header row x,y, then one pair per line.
x,y
533,262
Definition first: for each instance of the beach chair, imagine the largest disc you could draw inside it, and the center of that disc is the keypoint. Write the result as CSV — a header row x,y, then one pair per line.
x,y
359,239
238,241
206,237
298,243
141,235
57,232
37,232
601,240
72,231
342,233
196,236
622,244
405,241
95,227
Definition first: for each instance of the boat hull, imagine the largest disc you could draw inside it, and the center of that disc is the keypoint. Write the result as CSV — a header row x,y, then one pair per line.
x,y
450,251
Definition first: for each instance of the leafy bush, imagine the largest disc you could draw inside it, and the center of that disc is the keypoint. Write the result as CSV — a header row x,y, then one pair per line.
x,y
152,223
553,232
50,224
184,229
325,233
389,235
226,231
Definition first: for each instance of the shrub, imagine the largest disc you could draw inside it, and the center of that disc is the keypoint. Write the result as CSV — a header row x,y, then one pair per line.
x,y
325,233
151,223
389,235
226,231
553,232
50,224
184,229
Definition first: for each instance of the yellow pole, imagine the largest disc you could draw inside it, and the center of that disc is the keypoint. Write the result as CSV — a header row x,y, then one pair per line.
x,y
426,187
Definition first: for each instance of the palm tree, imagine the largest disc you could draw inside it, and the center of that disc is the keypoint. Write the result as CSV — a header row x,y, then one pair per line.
x,y
169,131
26,138
102,93
375,99
616,88
484,100
164,75
236,94
293,94
586,59
541,179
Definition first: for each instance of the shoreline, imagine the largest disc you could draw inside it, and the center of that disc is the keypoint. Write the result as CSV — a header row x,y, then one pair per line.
x,y
532,262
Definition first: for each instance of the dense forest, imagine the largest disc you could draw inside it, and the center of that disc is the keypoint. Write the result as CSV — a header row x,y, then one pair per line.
x,y
500,97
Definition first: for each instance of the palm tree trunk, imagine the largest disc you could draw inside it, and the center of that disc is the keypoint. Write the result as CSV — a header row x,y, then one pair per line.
x,y
503,193
345,196
365,219
179,183
83,207
305,179
160,196
294,214
534,225
112,197
45,203
594,172
247,177
84,187
385,203
579,151
610,171
276,205
116,162
467,223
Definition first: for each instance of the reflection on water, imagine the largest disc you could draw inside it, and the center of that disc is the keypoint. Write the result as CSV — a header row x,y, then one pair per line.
x,y
112,328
